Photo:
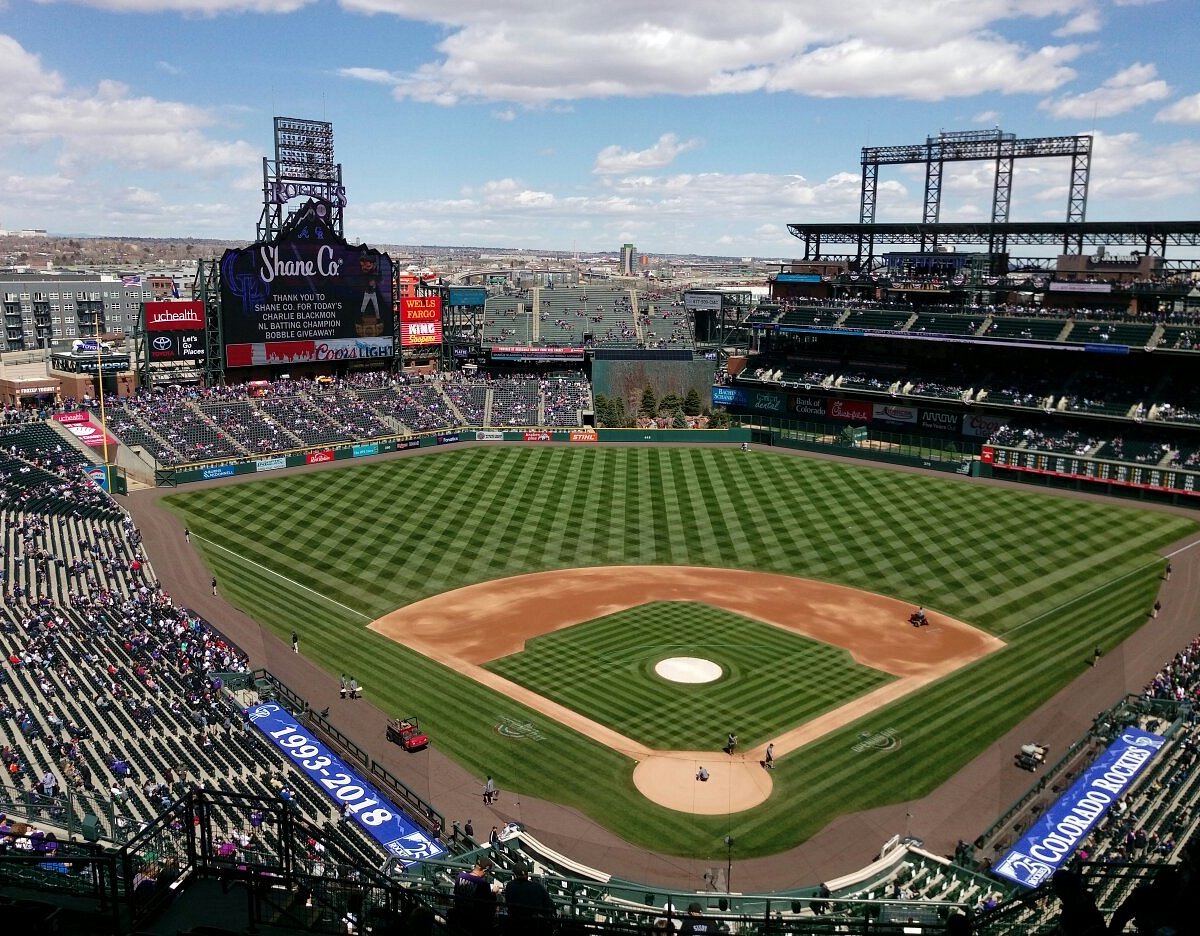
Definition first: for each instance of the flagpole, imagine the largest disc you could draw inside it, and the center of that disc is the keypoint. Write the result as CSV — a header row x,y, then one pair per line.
x,y
103,420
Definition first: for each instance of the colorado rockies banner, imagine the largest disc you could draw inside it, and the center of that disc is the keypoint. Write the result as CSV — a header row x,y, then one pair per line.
x,y
366,806
1053,839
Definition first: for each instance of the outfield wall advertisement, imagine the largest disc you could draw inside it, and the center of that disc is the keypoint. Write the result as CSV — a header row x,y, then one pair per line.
x,y
1055,836
306,296
188,474
420,321
175,330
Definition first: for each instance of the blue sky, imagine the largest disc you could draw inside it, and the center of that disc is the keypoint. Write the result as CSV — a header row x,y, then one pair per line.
x,y
702,126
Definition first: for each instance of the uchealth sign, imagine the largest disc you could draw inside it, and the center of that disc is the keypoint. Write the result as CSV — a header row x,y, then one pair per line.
x,y
849,410
1055,836
90,435
174,316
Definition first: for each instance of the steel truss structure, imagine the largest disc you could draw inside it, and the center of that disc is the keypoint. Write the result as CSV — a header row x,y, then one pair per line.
x,y
996,146
303,167
1152,238
997,235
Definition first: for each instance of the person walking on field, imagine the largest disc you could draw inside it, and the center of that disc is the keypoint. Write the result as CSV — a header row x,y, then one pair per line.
x,y
214,585
769,760
187,535
489,791
295,642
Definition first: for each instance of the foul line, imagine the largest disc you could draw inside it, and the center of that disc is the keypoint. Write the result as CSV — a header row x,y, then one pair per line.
x,y
291,582
1078,598
1171,555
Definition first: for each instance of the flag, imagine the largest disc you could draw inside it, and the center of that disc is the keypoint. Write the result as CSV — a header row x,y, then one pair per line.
x,y
174,290
128,281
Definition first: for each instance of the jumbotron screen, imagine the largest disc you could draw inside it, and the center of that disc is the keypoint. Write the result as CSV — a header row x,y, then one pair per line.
x,y
307,296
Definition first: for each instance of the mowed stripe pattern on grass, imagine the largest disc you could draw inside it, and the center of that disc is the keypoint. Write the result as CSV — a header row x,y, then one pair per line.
x,y
772,679
384,535
380,536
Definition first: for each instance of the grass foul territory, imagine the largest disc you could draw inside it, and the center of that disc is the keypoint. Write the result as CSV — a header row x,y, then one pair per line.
x,y
376,537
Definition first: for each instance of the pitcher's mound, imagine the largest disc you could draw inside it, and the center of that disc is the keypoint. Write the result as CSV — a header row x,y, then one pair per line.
x,y
688,670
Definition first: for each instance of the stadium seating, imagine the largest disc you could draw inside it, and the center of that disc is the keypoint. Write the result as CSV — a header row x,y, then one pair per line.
x,y
254,431
1028,329
416,407
104,695
514,403
40,445
300,416
469,399
564,399
892,319
943,323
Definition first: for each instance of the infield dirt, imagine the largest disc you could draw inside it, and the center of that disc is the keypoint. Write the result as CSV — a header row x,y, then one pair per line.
x,y
471,626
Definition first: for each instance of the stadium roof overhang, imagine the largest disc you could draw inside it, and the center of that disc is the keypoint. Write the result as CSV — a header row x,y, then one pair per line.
x,y
1151,236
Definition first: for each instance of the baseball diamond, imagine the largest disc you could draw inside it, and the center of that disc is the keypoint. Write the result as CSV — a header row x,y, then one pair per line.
x,y
327,553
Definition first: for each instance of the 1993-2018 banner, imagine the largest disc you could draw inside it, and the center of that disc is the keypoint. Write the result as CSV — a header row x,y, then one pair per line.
x,y
365,805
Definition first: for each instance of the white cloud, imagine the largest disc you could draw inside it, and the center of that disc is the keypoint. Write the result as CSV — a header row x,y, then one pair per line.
x,y
373,75
507,115
1185,110
1126,90
614,159
169,68
986,117
927,49
1082,24
65,143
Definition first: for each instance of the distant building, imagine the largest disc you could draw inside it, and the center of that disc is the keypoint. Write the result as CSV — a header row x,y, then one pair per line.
x,y
629,265
40,307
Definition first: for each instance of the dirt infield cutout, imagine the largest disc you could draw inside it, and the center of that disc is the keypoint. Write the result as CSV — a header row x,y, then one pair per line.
x,y
471,626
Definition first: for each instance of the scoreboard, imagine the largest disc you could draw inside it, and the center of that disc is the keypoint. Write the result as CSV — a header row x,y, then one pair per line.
x,y
1064,465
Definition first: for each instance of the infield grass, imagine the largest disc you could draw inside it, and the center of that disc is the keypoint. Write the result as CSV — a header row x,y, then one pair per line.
x,y
1051,576
771,680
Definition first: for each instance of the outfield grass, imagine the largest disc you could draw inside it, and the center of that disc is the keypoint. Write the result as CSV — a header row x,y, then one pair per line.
x,y
1051,576
772,680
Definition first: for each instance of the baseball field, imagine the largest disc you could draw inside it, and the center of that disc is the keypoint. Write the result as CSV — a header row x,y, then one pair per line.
x,y
330,554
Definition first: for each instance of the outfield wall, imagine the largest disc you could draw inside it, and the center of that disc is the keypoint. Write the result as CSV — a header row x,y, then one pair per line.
x,y
207,471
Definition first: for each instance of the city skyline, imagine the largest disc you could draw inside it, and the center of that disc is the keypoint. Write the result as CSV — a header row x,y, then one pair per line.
x,y
692,128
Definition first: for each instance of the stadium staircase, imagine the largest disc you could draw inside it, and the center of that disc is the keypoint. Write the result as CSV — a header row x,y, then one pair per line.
x,y
60,429
208,422
637,317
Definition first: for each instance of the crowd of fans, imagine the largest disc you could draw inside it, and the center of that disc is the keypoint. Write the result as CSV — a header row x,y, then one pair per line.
x,y
182,424
106,686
